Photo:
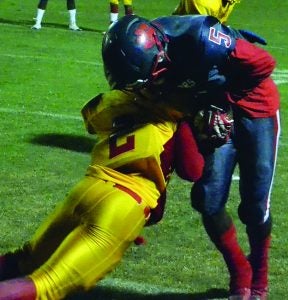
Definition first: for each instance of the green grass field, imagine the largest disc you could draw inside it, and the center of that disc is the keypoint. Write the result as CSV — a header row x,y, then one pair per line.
x,y
45,78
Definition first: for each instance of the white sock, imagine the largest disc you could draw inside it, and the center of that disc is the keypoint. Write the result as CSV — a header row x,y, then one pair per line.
x,y
113,17
72,16
39,16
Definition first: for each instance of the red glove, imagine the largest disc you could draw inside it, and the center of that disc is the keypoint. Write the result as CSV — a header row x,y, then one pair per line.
x,y
213,126
219,123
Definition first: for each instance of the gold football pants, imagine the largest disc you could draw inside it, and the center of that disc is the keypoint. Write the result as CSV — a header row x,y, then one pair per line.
x,y
84,238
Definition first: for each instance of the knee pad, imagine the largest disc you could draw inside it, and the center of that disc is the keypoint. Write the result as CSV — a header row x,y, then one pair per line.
x,y
203,203
251,214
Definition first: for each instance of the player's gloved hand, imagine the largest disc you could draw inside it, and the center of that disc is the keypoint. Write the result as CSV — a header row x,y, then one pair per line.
x,y
219,123
215,78
156,214
252,37
213,127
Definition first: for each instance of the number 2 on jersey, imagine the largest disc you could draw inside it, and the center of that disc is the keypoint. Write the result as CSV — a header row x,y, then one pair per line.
x,y
115,149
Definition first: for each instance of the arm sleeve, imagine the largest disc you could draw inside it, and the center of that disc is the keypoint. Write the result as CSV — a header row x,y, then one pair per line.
x,y
251,61
189,162
100,112
87,112
156,214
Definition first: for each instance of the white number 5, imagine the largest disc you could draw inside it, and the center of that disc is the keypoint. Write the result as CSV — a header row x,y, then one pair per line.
x,y
217,37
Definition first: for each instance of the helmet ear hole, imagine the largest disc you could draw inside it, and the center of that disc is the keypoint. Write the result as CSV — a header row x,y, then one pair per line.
x,y
133,52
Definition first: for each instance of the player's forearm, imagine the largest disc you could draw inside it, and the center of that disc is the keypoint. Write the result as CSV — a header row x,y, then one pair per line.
x,y
189,161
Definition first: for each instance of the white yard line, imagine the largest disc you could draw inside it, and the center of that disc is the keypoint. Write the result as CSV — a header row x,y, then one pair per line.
x,y
50,59
280,76
39,113
139,286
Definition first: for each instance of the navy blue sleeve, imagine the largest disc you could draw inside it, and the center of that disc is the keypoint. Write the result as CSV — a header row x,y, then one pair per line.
x,y
199,47
217,41
211,41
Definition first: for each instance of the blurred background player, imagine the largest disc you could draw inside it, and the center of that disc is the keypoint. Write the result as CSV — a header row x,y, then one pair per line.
x,y
139,145
114,9
71,7
220,9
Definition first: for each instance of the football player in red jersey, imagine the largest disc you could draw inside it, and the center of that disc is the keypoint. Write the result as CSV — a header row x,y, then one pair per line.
x,y
71,8
140,144
195,60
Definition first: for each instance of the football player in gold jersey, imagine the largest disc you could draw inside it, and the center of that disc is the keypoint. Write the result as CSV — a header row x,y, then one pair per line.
x,y
220,9
138,147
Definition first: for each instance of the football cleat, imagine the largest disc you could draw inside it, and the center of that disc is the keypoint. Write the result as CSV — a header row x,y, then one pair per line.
x,y
241,294
74,27
36,27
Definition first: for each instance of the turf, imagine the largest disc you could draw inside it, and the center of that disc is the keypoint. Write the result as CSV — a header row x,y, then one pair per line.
x,y
45,78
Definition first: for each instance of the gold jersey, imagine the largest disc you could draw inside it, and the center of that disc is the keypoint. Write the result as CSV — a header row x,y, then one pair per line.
x,y
221,9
